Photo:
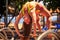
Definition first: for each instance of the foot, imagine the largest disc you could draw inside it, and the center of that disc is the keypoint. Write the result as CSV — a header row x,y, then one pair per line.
x,y
33,35
49,35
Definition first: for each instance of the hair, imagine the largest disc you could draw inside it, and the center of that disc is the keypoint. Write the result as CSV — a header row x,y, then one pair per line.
x,y
29,6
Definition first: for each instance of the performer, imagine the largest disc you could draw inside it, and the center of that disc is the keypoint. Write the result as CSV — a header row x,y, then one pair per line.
x,y
29,14
41,10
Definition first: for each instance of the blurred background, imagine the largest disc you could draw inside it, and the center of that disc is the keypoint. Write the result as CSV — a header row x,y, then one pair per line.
x,y
9,9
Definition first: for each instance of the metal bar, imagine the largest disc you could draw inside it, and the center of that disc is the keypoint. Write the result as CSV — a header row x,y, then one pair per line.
x,y
6,13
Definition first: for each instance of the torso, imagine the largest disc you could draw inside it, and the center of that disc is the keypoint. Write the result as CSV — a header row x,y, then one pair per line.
x,y
26,16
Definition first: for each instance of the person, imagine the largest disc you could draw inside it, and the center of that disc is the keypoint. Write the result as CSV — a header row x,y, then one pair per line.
x,y
42,10
29,14
55,21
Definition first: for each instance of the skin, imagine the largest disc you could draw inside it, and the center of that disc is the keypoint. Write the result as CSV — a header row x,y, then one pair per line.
x,y
44,12
26,20
33,15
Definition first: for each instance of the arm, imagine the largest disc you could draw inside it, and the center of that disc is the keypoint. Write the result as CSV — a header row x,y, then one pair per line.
x,y
33,15
34,21
45,13
16,23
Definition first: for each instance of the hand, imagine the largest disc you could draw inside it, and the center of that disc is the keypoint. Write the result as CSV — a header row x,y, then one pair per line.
x,y
21,36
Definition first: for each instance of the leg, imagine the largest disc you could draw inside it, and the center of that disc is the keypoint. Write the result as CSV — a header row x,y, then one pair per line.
x,y
34,33
39,26
38,23
48,23
27,30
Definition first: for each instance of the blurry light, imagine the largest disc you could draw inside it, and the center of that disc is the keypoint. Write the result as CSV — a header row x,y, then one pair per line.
x,y
11,8
41,2
41,27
